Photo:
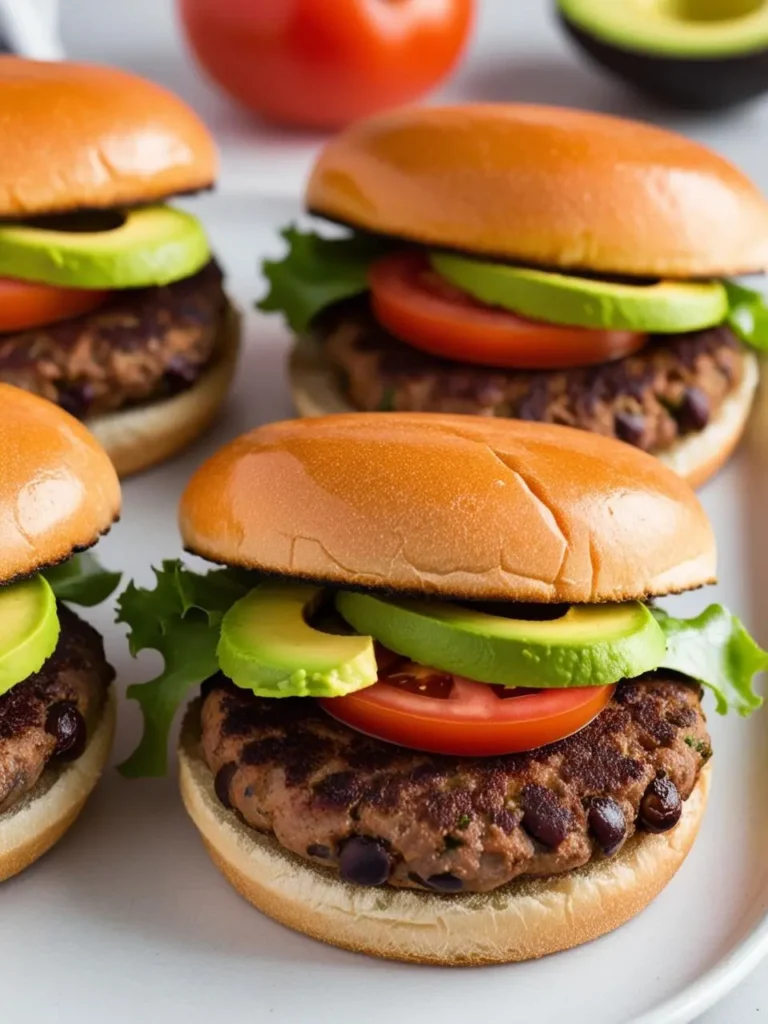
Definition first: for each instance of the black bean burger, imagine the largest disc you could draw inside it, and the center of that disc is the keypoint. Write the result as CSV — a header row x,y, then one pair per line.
x,y
58,493
532,263
441,718
111,304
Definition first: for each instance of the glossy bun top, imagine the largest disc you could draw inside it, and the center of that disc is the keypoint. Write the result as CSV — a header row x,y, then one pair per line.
x,y
460,506
58,489
545,186
80,136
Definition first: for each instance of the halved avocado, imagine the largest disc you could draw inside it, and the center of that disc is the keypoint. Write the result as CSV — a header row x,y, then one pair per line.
x,y
663,307
267,646
590,645
150,246
688,53
29,629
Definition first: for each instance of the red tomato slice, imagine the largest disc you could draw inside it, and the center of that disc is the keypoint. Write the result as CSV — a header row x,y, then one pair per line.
x,y
418,306
25,304
422,709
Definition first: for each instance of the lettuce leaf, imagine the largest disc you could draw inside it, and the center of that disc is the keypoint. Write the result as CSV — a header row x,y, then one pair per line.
x,y
715,649
82,580
316,272
180,618
748,315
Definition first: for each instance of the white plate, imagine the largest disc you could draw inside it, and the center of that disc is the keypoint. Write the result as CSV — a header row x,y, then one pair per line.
x,y
127,920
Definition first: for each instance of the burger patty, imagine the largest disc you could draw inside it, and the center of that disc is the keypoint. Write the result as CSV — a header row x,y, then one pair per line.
x,y
672,387
47,719
142,344
381,813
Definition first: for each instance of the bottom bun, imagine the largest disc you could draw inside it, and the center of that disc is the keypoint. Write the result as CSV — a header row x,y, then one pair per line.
x,y
696,457
521,921
144,435
33,826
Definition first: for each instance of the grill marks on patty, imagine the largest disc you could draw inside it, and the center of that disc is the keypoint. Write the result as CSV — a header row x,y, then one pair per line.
x,y
448,823
42,719
142,344
672,387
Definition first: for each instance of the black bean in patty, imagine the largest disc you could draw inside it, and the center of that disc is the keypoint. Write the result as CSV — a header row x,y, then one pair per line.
x,y
381,814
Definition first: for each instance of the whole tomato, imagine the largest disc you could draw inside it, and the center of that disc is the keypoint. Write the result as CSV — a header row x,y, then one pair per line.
x,y
323,63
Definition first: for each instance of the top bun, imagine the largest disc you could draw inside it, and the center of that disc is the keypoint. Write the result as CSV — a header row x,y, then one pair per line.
x,y
58,489
459,506
77,136
544,186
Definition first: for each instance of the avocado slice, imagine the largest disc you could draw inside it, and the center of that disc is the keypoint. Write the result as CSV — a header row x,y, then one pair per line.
x,y
153,245
267,646
29,629
591,645
689,53
663,307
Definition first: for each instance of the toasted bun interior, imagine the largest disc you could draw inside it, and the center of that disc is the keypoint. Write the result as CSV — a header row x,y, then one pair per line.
x,y
77,136
548,186
32,827
521,921
696,458
458,506
138,438
58,489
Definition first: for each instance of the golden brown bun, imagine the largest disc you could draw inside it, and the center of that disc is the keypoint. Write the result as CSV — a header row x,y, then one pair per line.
x,y
58,489
138,438
696,458
460,506
524,920
30,829
541,185
80,135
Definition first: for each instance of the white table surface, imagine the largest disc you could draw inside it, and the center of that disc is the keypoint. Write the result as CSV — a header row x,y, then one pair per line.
x,y
517,54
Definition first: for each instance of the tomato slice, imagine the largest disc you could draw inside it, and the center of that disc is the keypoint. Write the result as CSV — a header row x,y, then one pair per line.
x,y
420,708
413,302
25,304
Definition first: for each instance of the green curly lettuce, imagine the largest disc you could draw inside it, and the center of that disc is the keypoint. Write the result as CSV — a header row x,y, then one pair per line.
x,y
717,651
82,580
181,619
316,272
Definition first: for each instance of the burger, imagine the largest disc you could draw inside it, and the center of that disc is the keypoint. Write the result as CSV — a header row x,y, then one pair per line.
x,y
58,494
110,303
530,263
440,718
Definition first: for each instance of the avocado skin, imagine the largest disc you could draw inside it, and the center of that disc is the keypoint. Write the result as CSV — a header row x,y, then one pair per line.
x,y
695,83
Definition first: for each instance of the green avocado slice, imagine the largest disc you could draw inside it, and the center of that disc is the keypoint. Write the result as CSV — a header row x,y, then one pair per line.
x,y
666,307
674,28
153,245
591,645
29,629
267,646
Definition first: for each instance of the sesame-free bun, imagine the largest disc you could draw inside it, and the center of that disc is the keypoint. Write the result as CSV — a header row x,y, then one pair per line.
x,y
545,186
457,506
79,136
58,489
521,921
140,437
696,457
32,827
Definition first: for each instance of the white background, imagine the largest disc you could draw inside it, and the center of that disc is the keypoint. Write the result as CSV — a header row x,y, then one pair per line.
x,y
165,922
